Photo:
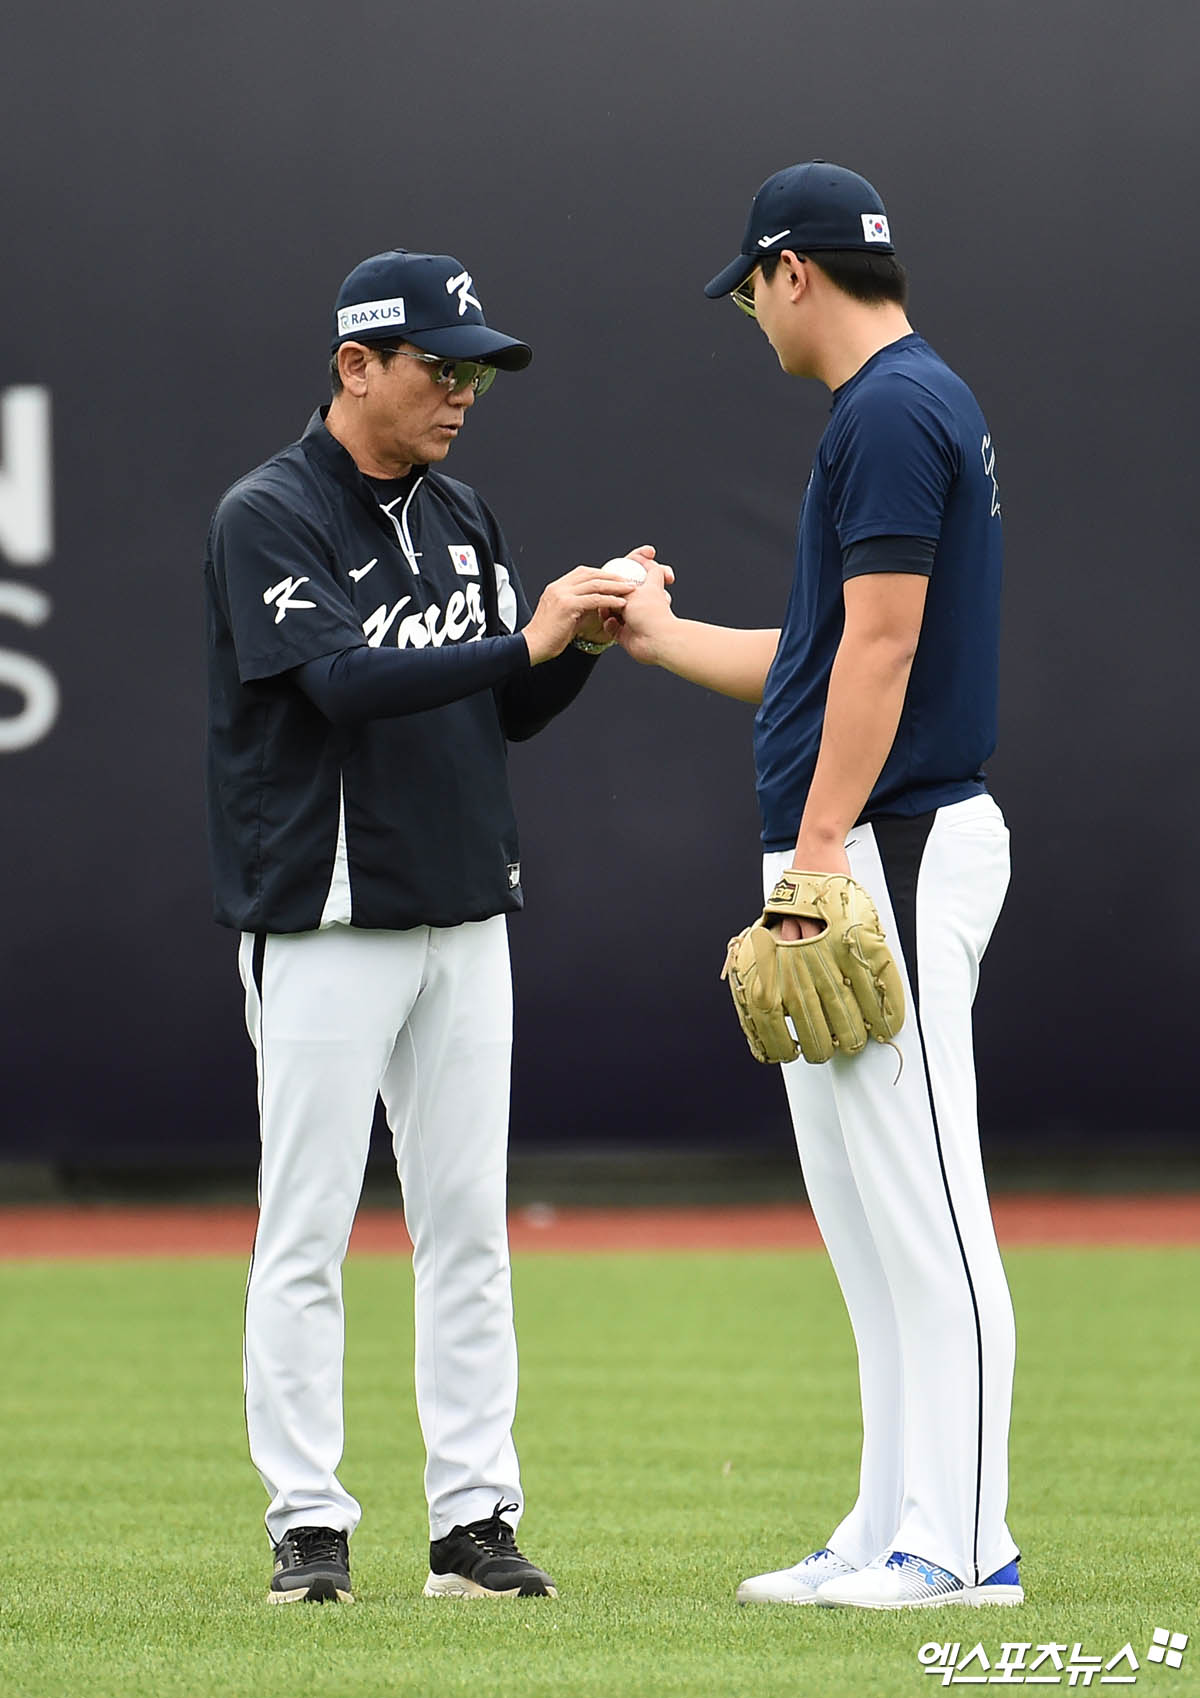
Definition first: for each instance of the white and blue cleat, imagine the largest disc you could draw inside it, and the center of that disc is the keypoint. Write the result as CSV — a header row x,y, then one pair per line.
x,y
795,1585
901,1581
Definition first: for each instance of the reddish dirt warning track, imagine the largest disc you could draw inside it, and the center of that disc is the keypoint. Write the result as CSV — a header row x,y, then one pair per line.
x,y
101,1231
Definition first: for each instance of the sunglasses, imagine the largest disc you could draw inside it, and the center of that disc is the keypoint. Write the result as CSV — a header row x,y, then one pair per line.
x,y
743,295
452,374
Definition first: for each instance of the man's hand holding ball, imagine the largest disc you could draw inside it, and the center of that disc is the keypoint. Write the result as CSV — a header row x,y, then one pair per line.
x,y
649,604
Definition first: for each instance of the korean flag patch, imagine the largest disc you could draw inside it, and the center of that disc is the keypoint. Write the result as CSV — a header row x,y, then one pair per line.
x,y
463,556
875,227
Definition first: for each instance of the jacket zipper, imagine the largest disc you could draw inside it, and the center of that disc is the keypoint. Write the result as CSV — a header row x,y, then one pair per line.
x,y
400,525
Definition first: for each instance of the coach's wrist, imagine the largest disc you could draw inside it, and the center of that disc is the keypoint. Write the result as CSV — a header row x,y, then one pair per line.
x,y
542,645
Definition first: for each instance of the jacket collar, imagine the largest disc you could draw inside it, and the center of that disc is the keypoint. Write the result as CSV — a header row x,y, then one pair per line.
x,y
323,449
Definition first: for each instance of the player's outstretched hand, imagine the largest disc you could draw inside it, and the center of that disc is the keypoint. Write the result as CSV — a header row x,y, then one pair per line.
x,y
646,616
569,601
602,627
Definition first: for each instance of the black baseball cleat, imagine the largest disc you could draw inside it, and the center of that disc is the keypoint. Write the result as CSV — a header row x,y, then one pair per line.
x,y
312,1563
482,1561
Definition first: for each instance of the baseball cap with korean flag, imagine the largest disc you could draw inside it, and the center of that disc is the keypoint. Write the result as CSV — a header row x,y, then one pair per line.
x,y
809,208
430,300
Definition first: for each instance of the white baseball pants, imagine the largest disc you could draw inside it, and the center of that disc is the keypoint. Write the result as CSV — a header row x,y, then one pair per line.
x,y
893,1172
422,1018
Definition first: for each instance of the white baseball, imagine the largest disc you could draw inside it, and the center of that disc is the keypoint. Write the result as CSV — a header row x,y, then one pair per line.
x,y
624,567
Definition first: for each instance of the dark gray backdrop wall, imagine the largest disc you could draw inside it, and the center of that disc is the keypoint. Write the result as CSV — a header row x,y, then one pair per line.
x,y
183,190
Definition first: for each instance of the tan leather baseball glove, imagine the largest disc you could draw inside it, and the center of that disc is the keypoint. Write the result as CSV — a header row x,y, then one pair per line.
x,y
837,989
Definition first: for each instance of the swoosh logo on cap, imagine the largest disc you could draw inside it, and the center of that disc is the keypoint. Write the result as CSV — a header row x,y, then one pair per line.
x,y
766,241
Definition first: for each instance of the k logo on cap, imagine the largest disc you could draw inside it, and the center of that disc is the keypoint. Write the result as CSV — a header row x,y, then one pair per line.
x,y
428,300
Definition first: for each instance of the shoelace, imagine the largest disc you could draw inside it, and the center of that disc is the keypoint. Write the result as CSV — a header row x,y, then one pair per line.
x,y
494,1536
314,1544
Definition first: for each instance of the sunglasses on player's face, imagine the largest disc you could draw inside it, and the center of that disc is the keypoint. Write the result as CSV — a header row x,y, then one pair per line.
x,y
743,295
452,374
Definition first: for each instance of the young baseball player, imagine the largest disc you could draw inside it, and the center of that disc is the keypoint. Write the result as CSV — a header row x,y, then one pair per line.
x,y
371,654
877,710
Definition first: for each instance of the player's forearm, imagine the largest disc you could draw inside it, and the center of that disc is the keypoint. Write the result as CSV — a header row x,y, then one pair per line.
x,y
731,662
862,710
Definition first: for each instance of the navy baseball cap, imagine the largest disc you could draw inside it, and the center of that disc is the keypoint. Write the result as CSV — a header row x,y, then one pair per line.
x,y
426,299
807,208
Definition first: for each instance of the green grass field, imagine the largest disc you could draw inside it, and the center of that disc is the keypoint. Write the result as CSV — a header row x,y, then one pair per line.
x,y
684,1421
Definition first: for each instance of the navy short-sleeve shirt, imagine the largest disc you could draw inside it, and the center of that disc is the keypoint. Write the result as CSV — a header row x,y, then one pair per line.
x,y
907,453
